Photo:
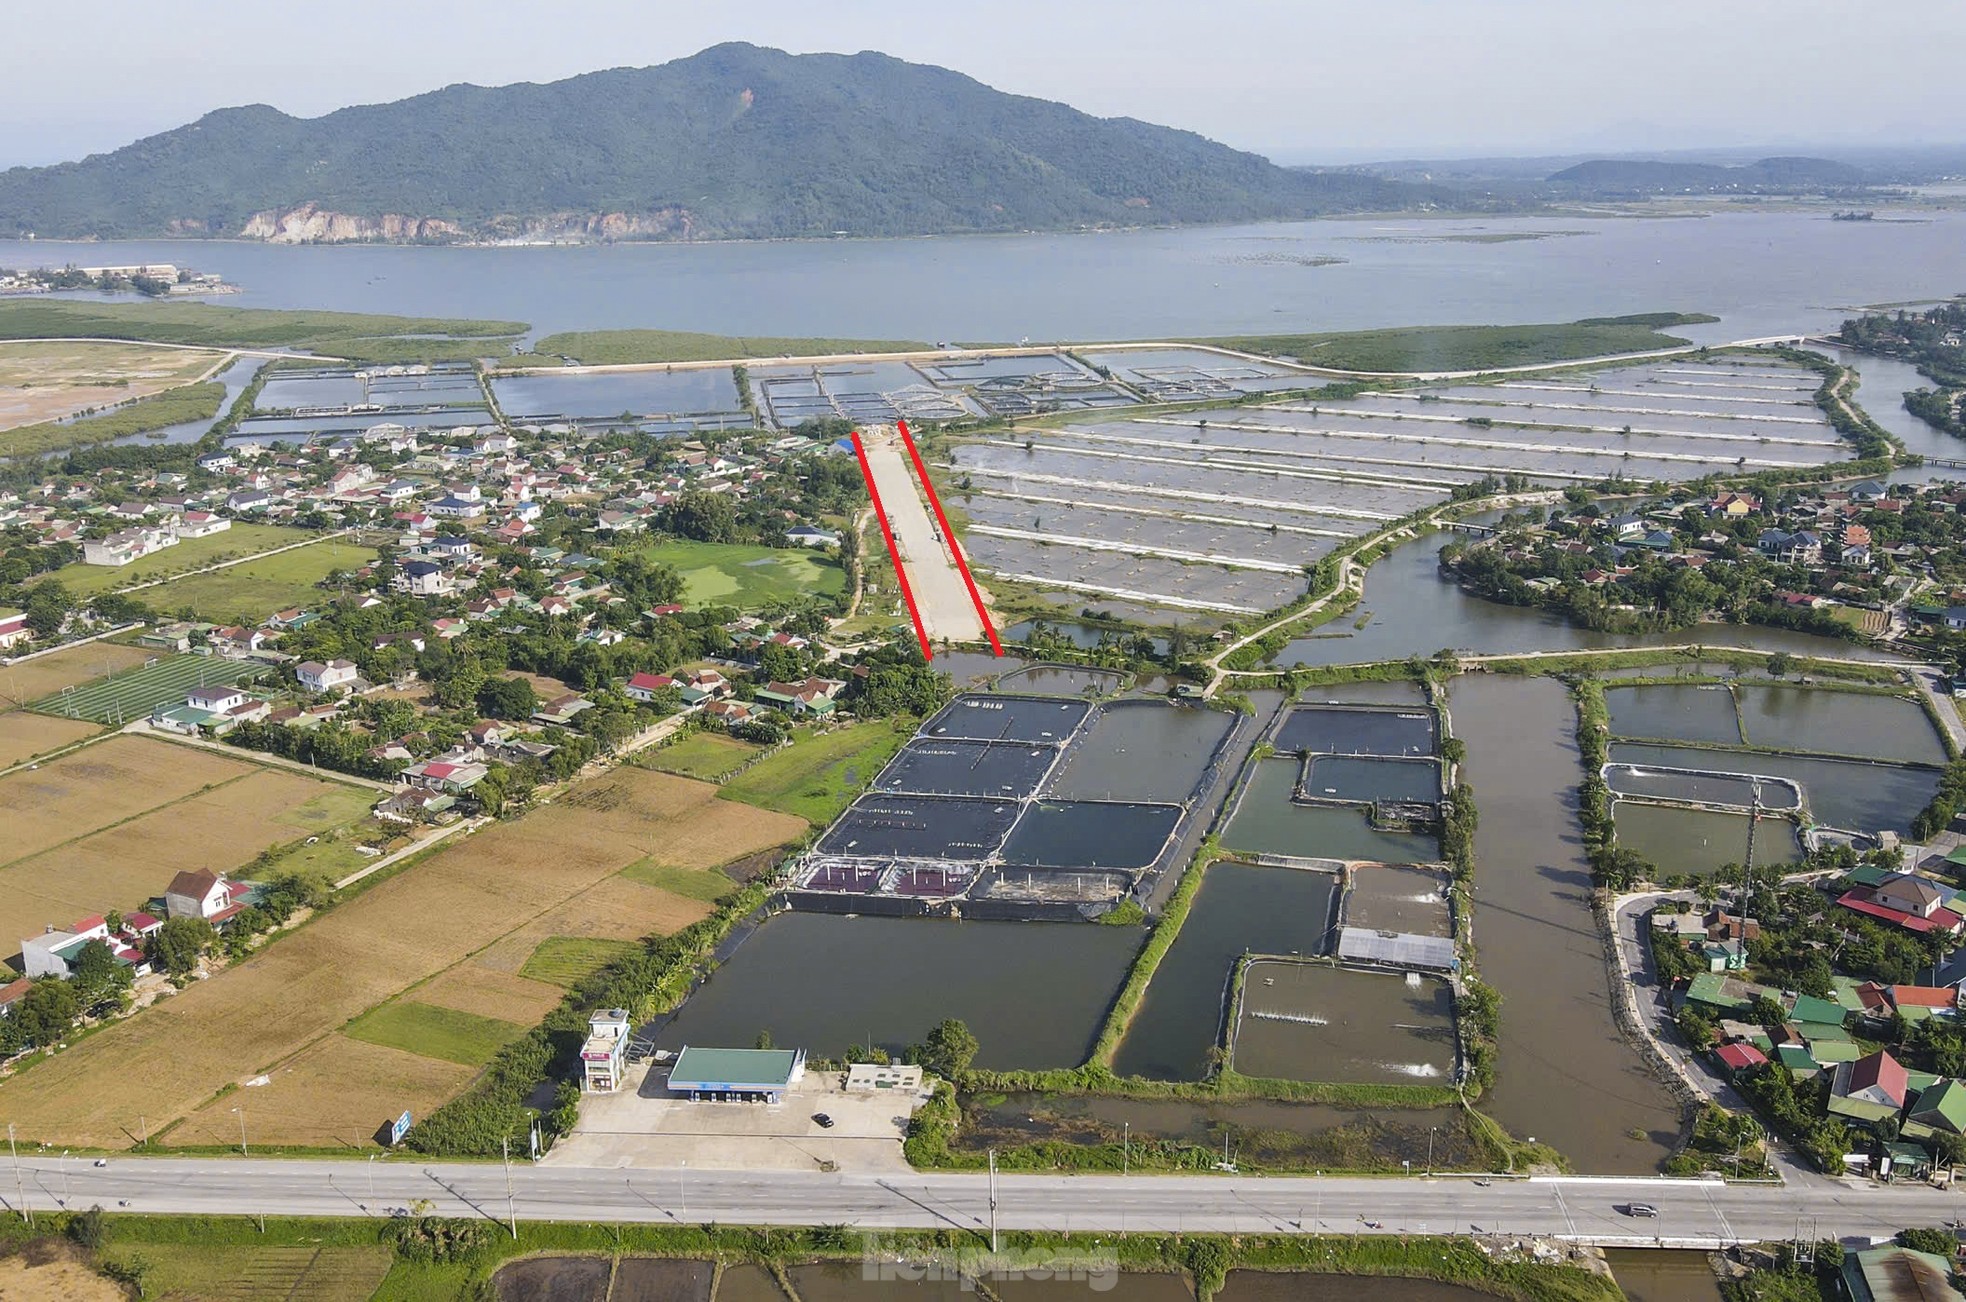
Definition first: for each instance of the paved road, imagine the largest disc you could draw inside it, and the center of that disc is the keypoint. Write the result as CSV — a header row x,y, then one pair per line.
x,y
1581,1208
947,612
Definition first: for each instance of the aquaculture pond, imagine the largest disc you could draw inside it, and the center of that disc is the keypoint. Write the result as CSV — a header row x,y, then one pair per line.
x,y
1239,909
1090,834
1064,680
1566,1075
1142,750
1266,821
1700,841
1367,779
1399,898
1311,1022
1342,731
894,978
1838,723
1274,1134
1855,795
1675,712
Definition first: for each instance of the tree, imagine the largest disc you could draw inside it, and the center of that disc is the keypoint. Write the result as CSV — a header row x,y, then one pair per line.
x,y
1948,1149
46,1011
1780,663
47,607
705,517
947,1051
97,977
1942,1242
177,946
507,698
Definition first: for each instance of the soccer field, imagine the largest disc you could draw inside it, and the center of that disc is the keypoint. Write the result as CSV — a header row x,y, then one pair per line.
x,y
133,693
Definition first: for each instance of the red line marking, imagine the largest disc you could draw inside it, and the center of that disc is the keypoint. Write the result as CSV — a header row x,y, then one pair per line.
x,y
949,536
900,571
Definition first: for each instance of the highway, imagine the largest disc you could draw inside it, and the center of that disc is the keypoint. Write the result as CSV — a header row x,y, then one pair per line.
x,y
1581,1209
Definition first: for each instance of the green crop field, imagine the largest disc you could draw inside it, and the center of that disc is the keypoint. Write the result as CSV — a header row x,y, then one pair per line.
x,y
706,884
748,577
133,693
248,592
705,755
434,1032
255,1273
615,347
820,773
193,553
564,960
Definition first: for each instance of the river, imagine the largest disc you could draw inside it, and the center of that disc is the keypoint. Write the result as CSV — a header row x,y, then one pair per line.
x,y
1761,273
1567,1076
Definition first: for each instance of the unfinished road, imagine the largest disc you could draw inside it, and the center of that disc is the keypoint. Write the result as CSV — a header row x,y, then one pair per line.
x,y
943,606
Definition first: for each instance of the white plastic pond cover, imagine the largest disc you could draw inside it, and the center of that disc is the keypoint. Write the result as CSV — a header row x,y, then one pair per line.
x,y
1396,949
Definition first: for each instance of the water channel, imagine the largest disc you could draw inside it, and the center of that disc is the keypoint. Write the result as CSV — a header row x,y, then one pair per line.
x,y
1567,1076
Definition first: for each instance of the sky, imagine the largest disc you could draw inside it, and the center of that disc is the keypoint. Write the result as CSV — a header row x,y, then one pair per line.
x,y
1300,80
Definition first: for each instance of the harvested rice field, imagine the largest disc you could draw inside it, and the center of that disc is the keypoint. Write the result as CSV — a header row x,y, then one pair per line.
x,y
551,872
103,785
24,736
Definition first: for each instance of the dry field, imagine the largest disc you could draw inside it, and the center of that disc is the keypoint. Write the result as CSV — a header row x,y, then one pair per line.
x,y
474,986
102,785
24,735
614,909
466,897
122,866
46,381
33,679
336,1092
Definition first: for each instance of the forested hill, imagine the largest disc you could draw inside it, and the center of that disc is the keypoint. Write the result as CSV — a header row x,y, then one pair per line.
x,y
733,142
1643,176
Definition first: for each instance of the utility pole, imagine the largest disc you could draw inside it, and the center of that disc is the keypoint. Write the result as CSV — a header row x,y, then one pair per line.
x,y
143,1131
682,1193
241,1110
1431,1130
64,1178
993,1200
511,1216
1126,1149
372,1158
20,1187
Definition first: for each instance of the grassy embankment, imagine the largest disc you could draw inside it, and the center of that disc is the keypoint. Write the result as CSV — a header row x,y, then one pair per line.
x,y
623,347
1471,347
355,336
177,406
391,1261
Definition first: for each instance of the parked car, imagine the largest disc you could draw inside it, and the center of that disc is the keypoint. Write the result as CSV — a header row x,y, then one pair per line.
x,y
825,1121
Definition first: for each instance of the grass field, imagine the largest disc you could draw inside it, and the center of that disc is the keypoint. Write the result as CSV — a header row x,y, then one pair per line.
x,y
250,591
433,1032
46,381
1470,348
186,403
253,1273
706,755
819,774
30,679
488,899
193,553
705,884
748,577
132,694
24,736
616,347
211,325
565,960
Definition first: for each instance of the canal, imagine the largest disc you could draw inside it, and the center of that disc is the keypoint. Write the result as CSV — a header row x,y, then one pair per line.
x,y
1567,1075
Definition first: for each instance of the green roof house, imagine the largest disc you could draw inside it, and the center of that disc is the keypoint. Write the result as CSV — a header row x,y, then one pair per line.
x,y
1808,1008
1798,1060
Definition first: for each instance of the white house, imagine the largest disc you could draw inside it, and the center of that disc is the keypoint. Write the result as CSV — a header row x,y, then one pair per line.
x,y
422,579
215,700
644,686
126,545
53,951
318,677
14,629
197,524
202,894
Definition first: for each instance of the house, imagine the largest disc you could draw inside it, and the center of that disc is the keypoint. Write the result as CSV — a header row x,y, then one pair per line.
x,y
126,545
201,894
215,700
453,507
813,697
236,640
807,535
1800,548
1941,1107
317,677
415,804
1739,1057
282,620
12,993
561,710
248,500
644,686
14,629
443,775
728,713
1910,894
1869,1089
1894,1274
200,524
53,952
1736,504
422,579
1927,913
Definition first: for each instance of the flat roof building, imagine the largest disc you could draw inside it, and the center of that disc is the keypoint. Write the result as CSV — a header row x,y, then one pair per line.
x,y
605,1050
737,1073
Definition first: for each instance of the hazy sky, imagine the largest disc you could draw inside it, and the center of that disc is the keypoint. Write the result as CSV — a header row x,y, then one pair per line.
x,y
1302,80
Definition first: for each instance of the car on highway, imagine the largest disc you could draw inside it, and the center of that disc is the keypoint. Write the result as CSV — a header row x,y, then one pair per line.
x,y
1640,1210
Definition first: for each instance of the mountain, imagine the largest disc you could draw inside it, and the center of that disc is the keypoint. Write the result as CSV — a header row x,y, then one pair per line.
x,y
1644,176
733,142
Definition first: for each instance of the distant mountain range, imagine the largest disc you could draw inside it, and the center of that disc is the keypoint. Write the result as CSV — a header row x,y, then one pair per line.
x,y
734,142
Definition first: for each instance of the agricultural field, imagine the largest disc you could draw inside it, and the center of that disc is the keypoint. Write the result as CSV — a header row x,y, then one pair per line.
x,y
31,679
86,580
486,901
256,1273
24,736
333,334
250,591
819,774
47,380
705,884
433,1032
706,755
128,696
615,347
747,576
132,812
568,960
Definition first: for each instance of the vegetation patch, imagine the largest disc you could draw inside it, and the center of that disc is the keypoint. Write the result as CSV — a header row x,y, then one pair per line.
x,y
250,591
706,884
566,961
748,576
211,325
433,1032
700,754
820,773
1471,348
190,402
190,554
618,347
